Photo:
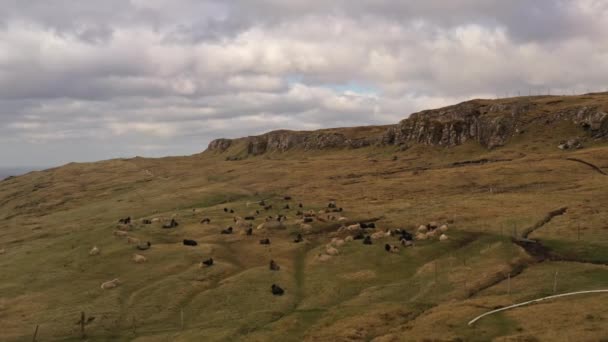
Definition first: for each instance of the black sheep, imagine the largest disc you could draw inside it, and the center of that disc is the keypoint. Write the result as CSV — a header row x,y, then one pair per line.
x,y
387,247
188,242
206,220
225,210
146,221
227,230
308,219
359,236
287,198
298,238
265,241
143,246
249,231
367,240
249,218
276,290
208,262
300,205
274,266
171,224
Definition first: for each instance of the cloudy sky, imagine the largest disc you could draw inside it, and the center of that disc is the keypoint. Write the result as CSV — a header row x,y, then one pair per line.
x,y
84,80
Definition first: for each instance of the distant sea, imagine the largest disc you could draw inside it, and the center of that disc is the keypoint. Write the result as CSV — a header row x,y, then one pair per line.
x,y
16,171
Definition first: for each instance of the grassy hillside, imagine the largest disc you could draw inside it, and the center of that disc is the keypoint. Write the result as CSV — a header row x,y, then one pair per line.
x,y
51,219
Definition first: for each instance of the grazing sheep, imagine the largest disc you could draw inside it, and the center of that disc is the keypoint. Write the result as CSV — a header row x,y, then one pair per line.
x,y
146,221
307,220
228,230
171,224
298,238
232,211
249,218
268,207
342,218
422,229
262,203
331,205
421,236
138,258
431,234
323,257
206,221
277,290
110,284
188,242
443,228
265,241
391,248
367,225
144,246
331,251
249,231
131,240
359,236
337,242
443,237
260,226
94,251
406,243
156,219
287,198
225,210
348,238
353,227
274,266
208,262
305,227
367,240
120,233
320,219
125,220
433,225
378,235
300,205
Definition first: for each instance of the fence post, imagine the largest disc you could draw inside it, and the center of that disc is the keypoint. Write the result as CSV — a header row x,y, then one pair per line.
x,y
555,282
82,320
35,333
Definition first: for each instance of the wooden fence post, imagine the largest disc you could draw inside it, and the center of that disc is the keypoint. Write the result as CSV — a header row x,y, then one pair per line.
x,y
35,333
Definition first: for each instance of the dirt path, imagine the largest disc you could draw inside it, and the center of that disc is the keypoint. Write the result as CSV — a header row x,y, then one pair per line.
x,y
596,168
544,221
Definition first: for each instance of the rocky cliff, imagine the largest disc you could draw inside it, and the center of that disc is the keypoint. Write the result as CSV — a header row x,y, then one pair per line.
x,y
489,122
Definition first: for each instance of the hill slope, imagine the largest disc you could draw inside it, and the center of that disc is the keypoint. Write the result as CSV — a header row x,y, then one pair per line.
x,y
488,198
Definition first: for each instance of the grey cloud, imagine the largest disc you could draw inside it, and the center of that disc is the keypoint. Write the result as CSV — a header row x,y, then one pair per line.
x,y
86,80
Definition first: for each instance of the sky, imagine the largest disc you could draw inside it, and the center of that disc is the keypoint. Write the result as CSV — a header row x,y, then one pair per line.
x,y
86,80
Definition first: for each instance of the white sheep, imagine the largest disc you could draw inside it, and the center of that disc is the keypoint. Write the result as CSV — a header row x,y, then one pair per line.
x,y
422,229
331,251
443,228
138,258
94,251
337,242
421,236
443,237
348,238
377,235
110,284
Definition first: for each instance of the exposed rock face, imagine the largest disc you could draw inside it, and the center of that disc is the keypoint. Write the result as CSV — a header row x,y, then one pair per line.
x,y
490,123
591,118
219,145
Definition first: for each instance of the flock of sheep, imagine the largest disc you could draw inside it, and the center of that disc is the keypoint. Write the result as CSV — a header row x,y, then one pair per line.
x,y
367,232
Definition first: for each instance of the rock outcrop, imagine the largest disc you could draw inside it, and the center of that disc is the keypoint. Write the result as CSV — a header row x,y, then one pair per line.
x,y
490,123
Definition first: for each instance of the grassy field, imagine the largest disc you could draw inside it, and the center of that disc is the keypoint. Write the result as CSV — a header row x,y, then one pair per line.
x,y
51,219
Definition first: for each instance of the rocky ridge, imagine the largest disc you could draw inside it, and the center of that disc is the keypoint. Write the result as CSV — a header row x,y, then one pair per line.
x,y
489,122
